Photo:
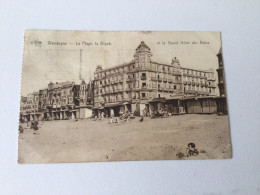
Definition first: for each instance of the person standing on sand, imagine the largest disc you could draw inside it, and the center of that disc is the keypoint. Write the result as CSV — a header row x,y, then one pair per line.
x,y
112,112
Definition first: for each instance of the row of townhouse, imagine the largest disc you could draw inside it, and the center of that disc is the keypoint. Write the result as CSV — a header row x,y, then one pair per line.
x,y
134,85
63,100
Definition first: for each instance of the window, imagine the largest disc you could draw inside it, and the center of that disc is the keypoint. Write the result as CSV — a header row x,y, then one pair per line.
x,y
143,94
143,84
144,74
174,87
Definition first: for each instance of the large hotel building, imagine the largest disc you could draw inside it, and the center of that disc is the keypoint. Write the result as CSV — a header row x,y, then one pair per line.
x,y
135,85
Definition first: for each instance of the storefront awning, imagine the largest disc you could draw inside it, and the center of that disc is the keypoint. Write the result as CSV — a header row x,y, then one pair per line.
x,y
174,98
161,100
113,104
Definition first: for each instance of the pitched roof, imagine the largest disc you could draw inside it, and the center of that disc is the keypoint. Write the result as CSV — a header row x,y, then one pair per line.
x,y
142,46
76,87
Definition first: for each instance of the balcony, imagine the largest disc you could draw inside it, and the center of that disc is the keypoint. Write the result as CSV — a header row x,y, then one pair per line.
x,y
160,79
170,80
165,80
121,81
193,83
161,89
112,82
212,86
128,80
127,99
144,98
189,82
144,87
116,81
211,79
177,73
143,77
185,82
190,91
154,79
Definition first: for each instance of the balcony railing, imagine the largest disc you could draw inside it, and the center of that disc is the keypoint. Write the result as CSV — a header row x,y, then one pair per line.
x,y
144,98
154,79
170,80
165,80
211,79
143,77
160,79
190,91
144,87
161,89
176,73
128,80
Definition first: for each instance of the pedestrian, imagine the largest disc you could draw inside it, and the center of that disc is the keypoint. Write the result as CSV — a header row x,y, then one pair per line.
x,y
191,150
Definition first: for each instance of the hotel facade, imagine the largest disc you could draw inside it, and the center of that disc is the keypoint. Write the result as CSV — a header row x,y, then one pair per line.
x,y
135,85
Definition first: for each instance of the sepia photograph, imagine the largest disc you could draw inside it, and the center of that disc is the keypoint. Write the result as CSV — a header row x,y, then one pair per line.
x,y
89,96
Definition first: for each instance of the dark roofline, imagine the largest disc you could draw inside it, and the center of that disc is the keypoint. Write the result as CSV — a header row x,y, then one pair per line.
x,y
114,67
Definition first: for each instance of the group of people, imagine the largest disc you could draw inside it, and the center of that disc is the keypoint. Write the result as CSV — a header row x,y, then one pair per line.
x,y
123,117
160,113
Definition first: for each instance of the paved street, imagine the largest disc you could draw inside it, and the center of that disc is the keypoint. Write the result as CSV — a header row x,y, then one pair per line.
x,y
152,139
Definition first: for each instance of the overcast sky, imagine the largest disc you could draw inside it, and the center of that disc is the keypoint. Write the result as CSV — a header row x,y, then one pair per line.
x,y
46,62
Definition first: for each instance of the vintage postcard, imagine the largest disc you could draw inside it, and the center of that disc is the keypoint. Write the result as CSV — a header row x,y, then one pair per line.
x,y
120,96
